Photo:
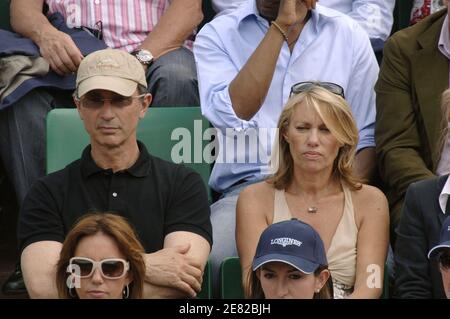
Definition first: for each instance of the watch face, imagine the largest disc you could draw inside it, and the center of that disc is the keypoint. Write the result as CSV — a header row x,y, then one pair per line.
x,y
144,56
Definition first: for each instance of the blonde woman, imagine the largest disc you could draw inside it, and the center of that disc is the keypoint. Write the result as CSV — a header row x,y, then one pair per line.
x,y
314,183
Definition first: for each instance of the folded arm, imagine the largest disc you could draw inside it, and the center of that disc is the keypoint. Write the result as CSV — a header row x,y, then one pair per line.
x,y
177,270
38,263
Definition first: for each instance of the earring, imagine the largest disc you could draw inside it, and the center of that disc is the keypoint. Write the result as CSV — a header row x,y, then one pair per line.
x,y
126,292
317,291
71,293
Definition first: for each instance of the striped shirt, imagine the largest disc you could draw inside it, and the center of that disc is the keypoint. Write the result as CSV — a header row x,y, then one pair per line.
x,y
124,23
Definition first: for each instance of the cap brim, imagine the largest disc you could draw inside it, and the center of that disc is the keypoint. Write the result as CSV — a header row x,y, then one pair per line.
x,y
301,264
445,244
118,85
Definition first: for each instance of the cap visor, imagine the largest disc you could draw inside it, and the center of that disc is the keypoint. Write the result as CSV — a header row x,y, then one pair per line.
x,y
434,250
118,85
301,264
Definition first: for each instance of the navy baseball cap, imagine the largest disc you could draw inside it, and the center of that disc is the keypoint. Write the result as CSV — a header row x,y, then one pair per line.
x,y
444,238
291,242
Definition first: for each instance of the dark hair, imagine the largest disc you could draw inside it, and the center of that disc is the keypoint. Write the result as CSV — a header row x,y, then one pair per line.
x,y
142,89
253,288
121,232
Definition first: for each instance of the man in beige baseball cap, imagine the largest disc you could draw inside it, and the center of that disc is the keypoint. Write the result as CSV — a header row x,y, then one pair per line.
x,y
166,203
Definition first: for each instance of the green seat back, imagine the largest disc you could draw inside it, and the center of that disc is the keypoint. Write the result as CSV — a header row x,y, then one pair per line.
x,y
231,279
4,15
160,130
402,14
206,292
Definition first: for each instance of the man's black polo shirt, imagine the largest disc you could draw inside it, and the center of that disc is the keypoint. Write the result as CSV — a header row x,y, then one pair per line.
x,y
156,196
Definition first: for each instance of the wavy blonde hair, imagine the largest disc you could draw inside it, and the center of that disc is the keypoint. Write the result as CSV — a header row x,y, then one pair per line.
x,y
336,115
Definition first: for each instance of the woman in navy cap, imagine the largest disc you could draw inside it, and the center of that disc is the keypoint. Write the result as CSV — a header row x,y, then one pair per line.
x,y
290,263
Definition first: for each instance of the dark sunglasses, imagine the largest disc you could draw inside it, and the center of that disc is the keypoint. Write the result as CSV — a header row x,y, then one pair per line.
x,y
444,260
305,86
95,102
111,268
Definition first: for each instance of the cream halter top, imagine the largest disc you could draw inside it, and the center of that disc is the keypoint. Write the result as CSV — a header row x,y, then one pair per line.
x,y
341,254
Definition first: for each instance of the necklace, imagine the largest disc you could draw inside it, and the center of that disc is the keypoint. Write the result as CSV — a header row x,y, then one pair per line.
x,y
312,209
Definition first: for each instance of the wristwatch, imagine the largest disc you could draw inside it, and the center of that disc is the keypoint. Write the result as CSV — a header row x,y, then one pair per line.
x,y
143,56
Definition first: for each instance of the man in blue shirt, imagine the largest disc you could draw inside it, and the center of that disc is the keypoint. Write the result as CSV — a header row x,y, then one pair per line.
x,y
247,62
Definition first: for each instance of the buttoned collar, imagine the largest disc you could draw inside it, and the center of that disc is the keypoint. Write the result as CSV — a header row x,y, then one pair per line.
x,y
140,168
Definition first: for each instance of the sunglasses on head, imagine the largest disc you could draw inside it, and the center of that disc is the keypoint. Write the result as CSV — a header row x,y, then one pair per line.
x,y
444,260
305,86
111,268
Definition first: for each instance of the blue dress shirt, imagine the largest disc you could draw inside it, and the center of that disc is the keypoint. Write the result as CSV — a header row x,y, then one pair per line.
x,y
332,47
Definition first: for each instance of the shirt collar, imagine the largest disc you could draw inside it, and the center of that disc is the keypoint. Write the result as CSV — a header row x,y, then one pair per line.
x,y
444,39
443,197
140,168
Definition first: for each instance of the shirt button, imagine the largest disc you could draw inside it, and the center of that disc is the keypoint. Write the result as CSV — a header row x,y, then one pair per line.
x,y
114,194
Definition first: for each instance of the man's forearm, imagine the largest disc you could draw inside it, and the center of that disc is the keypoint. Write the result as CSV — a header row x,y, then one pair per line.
x,y
28,20
249,88
174,27
365,164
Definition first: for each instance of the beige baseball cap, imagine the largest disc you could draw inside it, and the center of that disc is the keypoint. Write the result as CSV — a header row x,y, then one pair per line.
x,y
112,70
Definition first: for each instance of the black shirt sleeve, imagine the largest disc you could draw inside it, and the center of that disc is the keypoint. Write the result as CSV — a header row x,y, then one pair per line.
x,y
188,209
39,219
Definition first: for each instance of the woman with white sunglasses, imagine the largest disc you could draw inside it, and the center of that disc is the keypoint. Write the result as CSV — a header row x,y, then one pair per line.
x,y
101,258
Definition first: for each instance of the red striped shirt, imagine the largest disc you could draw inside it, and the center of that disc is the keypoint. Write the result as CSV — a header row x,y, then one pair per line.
x,y
125,23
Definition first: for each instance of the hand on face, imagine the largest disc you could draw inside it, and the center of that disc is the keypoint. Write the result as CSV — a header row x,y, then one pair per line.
x,y
292,12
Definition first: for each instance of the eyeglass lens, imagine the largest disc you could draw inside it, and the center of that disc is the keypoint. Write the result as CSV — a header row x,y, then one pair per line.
x,y
109,268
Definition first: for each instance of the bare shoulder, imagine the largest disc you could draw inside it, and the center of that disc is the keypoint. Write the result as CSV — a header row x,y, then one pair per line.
x,y
256,199
261,191
370,199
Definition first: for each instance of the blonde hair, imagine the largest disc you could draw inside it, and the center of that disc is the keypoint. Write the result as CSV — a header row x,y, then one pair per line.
x,y
336,115
123,234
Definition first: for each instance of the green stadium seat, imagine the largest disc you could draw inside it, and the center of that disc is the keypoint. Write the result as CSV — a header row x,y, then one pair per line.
x,y
402,15
4,15
231,279
160,130
206,292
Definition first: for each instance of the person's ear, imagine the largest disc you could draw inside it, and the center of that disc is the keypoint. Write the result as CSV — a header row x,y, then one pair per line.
x,y
128,278
146,101
321,279
285,136
78,105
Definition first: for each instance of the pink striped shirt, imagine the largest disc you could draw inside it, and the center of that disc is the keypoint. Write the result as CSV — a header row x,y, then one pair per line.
x,y
125,23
